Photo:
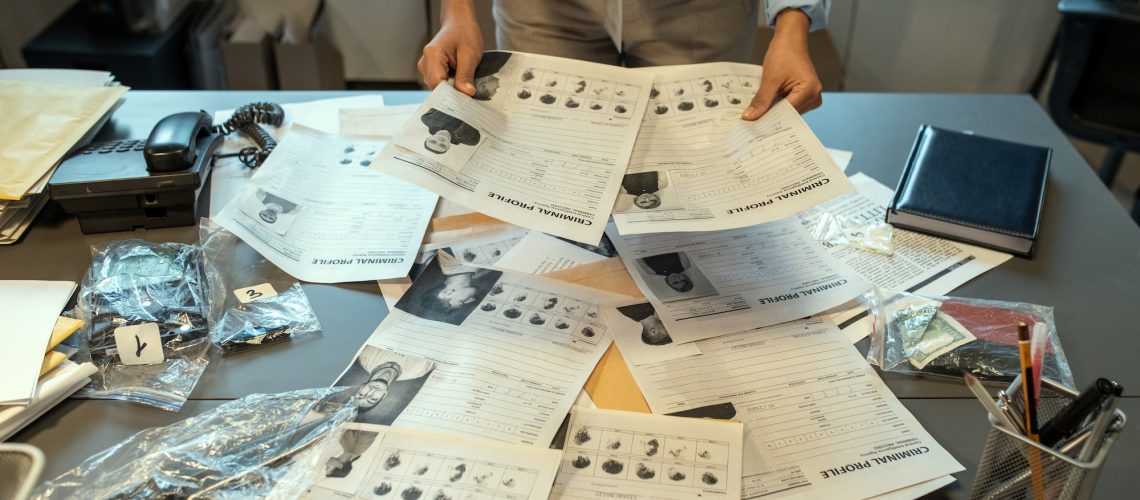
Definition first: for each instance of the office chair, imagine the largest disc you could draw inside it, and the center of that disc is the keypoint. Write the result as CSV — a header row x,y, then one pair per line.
x,y
1096,94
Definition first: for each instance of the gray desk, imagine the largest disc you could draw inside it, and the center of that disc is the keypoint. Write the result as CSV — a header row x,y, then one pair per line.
x,y
1086,266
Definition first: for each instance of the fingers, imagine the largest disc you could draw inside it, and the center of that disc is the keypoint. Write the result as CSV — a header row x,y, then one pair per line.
x,y
811,105
465,71
764,98
433,66
806,96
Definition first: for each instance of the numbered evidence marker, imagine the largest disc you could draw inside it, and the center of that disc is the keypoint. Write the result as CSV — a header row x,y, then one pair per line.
x,y
139,344
255,292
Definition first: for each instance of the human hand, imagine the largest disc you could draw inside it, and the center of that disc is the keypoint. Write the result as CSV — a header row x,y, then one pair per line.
x,y
456,48
788,71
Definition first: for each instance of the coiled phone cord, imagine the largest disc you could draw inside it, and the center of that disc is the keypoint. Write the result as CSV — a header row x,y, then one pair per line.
x,y
245,120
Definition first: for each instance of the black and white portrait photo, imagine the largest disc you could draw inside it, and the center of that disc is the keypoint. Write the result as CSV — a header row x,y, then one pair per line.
x,y
486,78
271,211
652,330
646,191
445,131
641,335
440,136
346,462
673,276
448,298
386,382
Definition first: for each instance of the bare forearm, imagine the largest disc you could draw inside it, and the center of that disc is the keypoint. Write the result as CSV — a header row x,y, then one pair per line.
x,y
461,10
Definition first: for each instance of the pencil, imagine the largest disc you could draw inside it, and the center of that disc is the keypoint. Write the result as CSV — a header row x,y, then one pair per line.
x,y
1029,401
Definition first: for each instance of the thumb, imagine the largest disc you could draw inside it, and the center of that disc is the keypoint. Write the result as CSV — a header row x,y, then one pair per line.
x,y
762,101
465,71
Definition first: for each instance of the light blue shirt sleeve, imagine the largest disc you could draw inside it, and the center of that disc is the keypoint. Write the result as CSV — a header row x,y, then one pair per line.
x,y
815,9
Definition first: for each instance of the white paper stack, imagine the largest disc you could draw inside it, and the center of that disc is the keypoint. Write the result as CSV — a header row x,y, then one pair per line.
x,y
17,215
53,388
30,310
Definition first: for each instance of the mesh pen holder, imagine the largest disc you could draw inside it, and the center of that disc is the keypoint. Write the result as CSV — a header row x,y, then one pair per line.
x,y
1005,470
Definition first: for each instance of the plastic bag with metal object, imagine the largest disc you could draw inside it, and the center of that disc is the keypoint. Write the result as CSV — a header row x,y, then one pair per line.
x,y
143,306
951,336
263,445
252,301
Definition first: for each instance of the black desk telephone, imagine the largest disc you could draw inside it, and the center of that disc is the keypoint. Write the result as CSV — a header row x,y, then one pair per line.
x,y
122,185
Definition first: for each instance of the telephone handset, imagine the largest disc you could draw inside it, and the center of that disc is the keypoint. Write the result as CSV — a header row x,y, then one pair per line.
x,y
127,184
173,144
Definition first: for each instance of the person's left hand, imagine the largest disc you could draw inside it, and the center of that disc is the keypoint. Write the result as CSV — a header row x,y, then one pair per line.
x,y
788,72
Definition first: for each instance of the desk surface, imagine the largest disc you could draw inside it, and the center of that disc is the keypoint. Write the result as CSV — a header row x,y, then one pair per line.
x,y
1085,267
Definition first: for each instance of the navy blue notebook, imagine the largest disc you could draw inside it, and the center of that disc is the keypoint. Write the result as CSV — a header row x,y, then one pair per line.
x,y
978,190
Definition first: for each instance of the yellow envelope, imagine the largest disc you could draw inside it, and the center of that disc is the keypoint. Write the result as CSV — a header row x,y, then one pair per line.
x,y
63,328
42,122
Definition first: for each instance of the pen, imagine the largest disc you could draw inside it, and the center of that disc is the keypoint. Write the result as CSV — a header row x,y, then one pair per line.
x,y
1070,418
1012,416
1029,400
980,392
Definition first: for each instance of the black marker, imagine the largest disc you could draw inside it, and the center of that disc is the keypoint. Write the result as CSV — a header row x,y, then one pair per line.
x,y
1069,419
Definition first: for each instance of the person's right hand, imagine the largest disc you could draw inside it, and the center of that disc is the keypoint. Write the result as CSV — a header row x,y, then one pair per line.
x,y
456,49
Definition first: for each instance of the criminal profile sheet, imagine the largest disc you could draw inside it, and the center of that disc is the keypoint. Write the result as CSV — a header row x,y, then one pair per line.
x,y
375,461
543,144
635,456
509,352
697,166
316,211
706,284
818,421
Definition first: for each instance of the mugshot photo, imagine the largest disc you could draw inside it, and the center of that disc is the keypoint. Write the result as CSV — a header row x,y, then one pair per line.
x,y
441,137
642,336
386,382
346,462
673,276
488,74
448,298
652,330
646,192
271,211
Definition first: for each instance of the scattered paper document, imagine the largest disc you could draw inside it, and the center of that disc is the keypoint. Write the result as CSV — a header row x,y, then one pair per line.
x,y
377,122
642,456
510,351
539,253
841,157
55,386
818,420
372,461
483,249
708,284
79,77
921,263
30,310
230,176
641,335
543,145
697,166
316,211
